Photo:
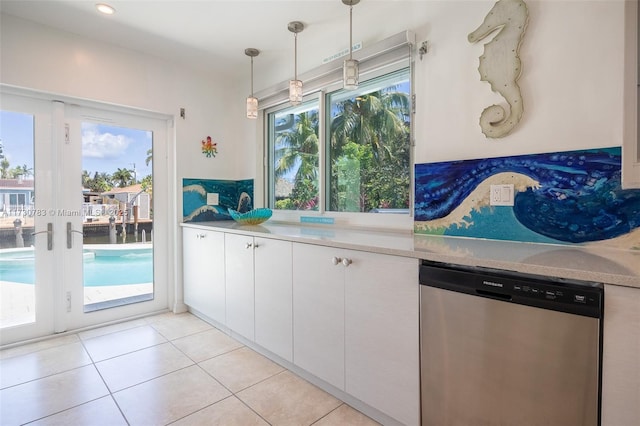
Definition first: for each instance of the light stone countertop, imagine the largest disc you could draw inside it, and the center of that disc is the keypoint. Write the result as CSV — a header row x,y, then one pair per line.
x,y
587,263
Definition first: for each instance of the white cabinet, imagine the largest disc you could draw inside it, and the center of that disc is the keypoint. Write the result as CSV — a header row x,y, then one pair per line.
x,y
273,296
258,288
318,313
239,284
204,272
381,334
621,356
356,319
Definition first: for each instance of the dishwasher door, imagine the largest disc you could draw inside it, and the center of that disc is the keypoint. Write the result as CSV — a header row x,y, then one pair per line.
x,y
508,350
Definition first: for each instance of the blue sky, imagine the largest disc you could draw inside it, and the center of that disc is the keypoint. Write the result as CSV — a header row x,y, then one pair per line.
x,y
104,148
108,148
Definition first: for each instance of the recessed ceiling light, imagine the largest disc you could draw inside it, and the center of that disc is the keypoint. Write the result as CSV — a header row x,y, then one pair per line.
x,y
105,8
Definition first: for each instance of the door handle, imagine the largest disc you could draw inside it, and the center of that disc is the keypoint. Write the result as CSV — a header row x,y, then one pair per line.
x,y
49,233
70,232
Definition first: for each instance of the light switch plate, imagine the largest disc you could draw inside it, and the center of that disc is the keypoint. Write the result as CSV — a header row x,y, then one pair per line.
x,y
213,198
501,195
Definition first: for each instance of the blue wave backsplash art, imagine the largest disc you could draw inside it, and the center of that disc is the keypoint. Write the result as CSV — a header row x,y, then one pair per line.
x,y
566,197
237,195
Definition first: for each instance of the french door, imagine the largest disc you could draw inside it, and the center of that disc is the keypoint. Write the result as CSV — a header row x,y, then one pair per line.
x,y
81,249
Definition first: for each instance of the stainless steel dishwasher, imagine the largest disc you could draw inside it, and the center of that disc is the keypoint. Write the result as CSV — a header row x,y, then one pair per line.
x,y
502,348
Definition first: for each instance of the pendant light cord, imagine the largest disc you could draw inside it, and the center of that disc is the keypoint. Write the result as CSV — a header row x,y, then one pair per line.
x,y
295,56
351,32
252,76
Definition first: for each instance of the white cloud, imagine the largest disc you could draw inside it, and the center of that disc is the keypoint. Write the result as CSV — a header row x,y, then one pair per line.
x,y
103,145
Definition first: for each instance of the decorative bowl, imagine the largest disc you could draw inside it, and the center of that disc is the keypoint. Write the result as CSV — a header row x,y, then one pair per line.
x,y
252,217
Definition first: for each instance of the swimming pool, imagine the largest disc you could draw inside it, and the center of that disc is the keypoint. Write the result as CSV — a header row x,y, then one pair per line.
x,y
103,265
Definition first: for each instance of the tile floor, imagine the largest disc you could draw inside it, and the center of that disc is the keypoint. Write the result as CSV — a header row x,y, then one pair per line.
x,y
165,369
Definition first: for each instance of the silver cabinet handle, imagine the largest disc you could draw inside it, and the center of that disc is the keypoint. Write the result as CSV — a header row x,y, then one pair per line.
x,y
49,233
198,236
248,245
70,232
336,260
346,262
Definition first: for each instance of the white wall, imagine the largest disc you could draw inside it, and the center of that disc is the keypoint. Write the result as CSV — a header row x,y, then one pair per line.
x,y
572,79
48,60
571,83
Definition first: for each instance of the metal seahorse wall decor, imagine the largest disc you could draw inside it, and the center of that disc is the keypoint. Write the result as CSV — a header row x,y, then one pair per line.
x,y
500,64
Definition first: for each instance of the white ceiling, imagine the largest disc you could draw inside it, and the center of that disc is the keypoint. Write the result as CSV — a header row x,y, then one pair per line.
x,y
212,34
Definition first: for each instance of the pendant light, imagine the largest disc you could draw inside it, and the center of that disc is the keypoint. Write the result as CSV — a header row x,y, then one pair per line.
x,y
350,70
252,102
295,85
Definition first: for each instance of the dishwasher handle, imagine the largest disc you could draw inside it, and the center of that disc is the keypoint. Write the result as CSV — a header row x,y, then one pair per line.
x,y
494,295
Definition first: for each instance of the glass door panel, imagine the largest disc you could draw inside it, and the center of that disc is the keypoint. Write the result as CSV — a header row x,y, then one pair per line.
x,y
112,215
26,226
117,215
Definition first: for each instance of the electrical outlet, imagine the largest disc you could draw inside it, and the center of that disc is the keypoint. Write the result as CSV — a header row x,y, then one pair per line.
x,y
213,198
501,195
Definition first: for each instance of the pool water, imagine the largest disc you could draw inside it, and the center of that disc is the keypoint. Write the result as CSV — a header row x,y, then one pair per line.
x,y
100,267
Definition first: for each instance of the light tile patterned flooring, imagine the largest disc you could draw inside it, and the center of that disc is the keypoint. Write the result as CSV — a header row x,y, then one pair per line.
x,y
165,369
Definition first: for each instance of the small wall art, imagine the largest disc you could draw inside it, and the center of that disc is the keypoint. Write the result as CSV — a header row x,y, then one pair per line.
x,y
234,194
209,148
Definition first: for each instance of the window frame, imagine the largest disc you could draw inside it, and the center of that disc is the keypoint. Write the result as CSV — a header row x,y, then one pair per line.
x,y
269,175
401,221
383,75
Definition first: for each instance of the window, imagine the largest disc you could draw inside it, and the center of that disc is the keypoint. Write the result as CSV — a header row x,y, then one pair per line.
x,y
17,200
361,162
369,146
294,171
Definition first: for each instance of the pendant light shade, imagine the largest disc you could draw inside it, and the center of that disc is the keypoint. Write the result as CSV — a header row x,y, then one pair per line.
x,y
252,102
351,67
252,107
295,85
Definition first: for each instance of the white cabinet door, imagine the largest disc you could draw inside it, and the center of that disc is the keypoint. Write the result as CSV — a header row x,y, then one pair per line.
x,y
204,272
356,325
621,356
240,288
273,296
382,334
318,313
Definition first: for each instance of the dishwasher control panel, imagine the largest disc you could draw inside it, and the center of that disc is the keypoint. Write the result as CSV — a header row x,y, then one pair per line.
x,y
583,298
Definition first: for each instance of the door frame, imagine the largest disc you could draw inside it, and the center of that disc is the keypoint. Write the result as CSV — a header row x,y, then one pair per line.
x,y
164,218
46,321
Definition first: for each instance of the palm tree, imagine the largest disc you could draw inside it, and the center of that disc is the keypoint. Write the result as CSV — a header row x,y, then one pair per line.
x,y
4,168
149,158
101,182
122,177
377,121
298,147
27,171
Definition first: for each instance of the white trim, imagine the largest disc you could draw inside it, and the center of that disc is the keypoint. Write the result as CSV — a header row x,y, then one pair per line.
x,y
631,114
83,102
